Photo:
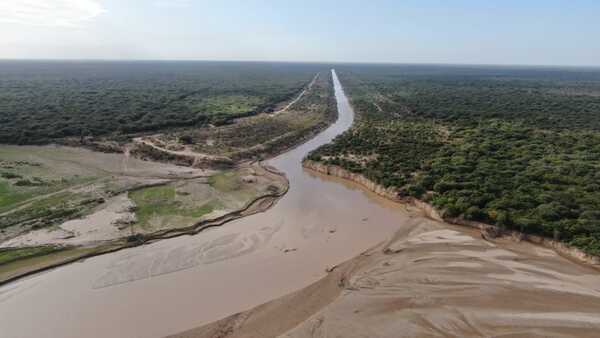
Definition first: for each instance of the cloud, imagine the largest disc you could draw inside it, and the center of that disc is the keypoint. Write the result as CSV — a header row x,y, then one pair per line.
x,y
50,13
172,3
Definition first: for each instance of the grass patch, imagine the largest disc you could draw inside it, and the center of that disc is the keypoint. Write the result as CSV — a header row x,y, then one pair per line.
x,y
162,203
36,258
226,181
10,197
203,210
48,211
11,255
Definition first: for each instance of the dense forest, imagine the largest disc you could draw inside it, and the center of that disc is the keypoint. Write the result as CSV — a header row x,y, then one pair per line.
x,y
43,102
514,147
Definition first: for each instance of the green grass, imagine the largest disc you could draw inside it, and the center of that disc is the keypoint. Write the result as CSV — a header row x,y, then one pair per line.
x,y
48,211
162,202
11,255
15,191
30,259
226,181
203,210
9,197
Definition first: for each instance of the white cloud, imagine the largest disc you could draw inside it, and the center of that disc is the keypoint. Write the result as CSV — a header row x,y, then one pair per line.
x,y
51,13
172,3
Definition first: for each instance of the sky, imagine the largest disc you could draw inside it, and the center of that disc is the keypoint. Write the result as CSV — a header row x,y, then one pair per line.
x,y
534,32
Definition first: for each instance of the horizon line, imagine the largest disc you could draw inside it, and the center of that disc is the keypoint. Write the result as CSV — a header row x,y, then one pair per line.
x,y
520,65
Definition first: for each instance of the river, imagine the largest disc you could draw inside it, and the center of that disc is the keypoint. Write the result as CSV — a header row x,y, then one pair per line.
x,y
177,284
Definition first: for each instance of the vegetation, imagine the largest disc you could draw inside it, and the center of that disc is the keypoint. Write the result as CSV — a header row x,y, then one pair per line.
x,y
225,181
34,195
17,262
265,134
200,114
43,102
11,255
157,203
514,147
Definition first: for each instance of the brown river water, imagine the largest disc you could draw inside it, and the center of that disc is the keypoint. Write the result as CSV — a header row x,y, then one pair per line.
x,y
177,284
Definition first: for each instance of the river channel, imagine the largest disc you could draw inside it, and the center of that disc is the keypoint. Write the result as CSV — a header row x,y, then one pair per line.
x,y
181,283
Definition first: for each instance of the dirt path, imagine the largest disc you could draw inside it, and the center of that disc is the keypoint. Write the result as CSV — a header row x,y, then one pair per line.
x,y
300,96
186,152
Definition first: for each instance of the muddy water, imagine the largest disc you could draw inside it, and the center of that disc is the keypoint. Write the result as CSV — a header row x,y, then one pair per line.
x,y
177,284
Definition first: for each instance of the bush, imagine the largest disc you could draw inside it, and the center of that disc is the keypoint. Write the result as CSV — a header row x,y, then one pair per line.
x,y
9,175
475,214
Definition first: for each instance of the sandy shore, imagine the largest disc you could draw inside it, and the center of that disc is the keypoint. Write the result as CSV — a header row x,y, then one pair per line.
x,y
433,280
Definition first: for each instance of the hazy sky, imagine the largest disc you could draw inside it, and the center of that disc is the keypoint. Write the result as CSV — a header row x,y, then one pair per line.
x,y
468,31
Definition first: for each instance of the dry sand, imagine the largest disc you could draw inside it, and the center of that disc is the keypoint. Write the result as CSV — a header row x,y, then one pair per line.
x,y
101,225
434,281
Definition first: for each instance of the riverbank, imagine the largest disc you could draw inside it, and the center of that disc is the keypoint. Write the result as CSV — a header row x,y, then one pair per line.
x,y
488,230
259,136
431,279
189,281
108,226
66,254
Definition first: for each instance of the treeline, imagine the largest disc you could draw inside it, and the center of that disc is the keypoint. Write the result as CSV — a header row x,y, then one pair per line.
x,y
517,148
42,102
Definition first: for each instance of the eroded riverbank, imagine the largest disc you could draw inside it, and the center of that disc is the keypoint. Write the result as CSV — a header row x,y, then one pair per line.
x,y
430,211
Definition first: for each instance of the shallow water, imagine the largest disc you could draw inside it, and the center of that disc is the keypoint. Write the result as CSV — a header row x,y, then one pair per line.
x,y
178,284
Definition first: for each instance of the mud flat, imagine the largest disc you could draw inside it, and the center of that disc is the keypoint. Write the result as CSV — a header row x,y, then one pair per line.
x,y
435,280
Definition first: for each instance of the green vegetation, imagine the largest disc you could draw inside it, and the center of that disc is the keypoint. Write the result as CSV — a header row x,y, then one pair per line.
x,y
519,148
49,210
11,255
268,134
162,202
33,195
43,102
225,181
172,109
16,262
9,197
226,105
